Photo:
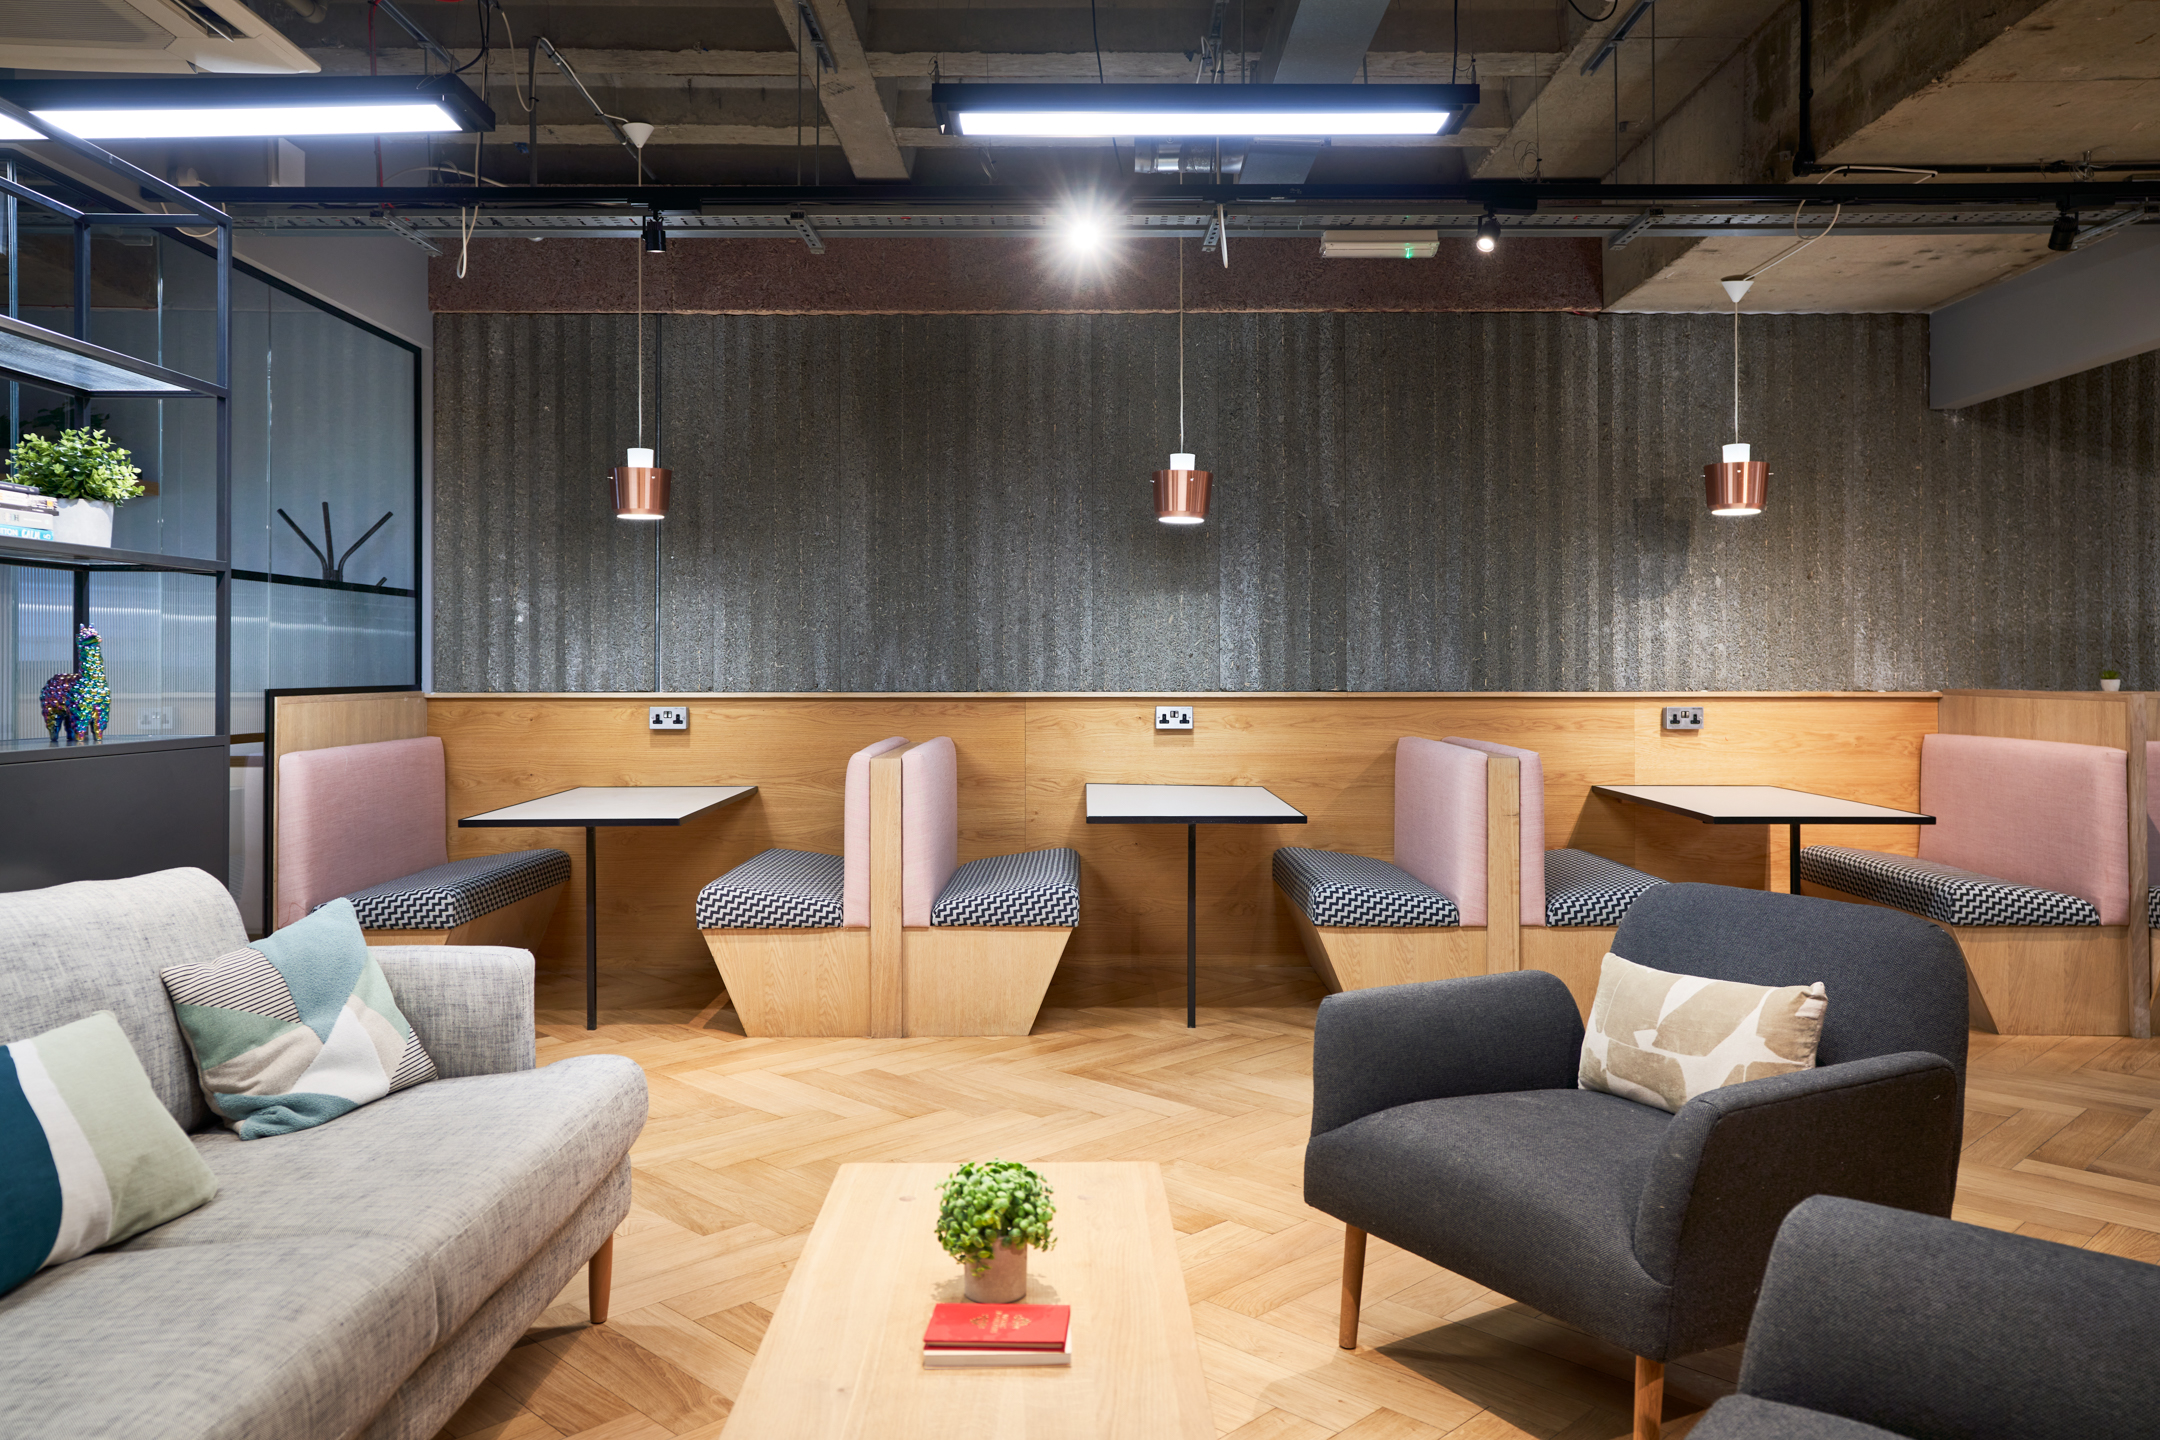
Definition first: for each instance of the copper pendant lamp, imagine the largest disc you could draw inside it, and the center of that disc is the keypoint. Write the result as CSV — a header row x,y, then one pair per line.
x,y
1181,492
1736,485
641,487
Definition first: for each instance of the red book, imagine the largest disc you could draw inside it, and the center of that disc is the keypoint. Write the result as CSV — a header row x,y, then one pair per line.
x,y
998,1327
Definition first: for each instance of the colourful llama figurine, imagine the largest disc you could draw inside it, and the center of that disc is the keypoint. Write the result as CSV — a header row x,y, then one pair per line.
x,y
91,701
55,704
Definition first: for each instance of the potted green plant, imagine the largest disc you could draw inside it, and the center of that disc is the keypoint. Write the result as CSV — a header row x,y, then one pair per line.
x,y
991,1212
2111,679
86,471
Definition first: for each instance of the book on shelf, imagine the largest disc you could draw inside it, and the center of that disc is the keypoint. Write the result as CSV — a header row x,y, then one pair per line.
x,y
25,497
9,530
975,1336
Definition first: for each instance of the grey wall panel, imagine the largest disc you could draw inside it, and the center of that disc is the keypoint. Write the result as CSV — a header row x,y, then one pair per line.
x,y
1403,502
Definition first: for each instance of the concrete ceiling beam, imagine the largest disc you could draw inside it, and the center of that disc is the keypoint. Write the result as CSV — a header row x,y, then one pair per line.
x,y
853,105
1309,42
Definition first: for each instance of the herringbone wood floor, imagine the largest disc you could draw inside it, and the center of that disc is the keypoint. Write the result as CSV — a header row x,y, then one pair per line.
x,y
2063,1141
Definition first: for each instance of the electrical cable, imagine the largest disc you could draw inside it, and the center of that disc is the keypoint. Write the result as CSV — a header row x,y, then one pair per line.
x,y
1181,347
1594,19
641,345
1096,33
448,170
371,71
510,43
1796,249
465,229
1455,62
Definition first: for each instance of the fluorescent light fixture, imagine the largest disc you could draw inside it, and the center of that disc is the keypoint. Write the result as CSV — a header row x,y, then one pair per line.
x,y
1379,244
218,108
1080,112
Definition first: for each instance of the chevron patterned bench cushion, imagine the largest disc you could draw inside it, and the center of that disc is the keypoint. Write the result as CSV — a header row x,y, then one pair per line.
x,y
1941,892
776,890
1586,889
2152,907
446,896
1335,889
1039,887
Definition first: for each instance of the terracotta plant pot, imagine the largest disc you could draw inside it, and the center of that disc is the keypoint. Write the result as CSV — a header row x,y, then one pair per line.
x,y
1004,1282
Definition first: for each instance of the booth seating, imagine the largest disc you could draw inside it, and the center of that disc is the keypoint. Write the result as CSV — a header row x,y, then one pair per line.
x,y
371,823
2027,864
789,930
1433,913
1572,900
1469,853
977,943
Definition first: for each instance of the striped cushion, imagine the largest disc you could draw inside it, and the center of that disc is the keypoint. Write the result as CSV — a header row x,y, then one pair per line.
x,y
1335,889
1586,889
447,896
776,890
1941,892
1039,887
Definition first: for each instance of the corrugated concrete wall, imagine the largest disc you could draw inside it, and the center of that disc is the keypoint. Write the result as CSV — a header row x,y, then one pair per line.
x,y
1403,502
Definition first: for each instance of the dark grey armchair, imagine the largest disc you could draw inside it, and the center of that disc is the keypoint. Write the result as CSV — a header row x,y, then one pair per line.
x,y
1446,1120
1876,1324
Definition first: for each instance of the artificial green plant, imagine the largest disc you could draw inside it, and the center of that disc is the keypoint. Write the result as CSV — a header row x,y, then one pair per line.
x,y
984,1202
78,465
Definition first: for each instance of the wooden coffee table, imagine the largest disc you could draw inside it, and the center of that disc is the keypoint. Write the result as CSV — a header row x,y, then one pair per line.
x,y
843,1355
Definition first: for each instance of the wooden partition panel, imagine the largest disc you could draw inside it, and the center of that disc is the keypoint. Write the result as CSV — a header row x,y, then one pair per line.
x,y
1024,762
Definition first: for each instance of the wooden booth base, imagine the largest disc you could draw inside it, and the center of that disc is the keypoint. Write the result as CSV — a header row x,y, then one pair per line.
x,y
796,983
2038,979
521,925
978,980
1360,957
1575,953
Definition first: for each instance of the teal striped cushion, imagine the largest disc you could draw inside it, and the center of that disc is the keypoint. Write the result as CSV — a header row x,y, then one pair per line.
x,y
88,1154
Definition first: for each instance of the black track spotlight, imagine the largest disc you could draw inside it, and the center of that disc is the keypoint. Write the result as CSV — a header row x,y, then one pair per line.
x,y
1488,234
2064,235
655,236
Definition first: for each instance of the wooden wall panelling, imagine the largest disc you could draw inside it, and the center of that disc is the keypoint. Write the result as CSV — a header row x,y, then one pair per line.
x,y
320,722
1024,761
506,748
2122,719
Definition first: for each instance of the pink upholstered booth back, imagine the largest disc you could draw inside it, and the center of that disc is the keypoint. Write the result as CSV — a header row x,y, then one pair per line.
x,y
1440,820
1532,823
855,834
356,815
929,825
2035,811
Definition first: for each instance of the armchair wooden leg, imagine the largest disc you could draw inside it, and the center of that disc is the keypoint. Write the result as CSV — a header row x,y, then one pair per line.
x,y
1353,1282
1649,1397
599,1279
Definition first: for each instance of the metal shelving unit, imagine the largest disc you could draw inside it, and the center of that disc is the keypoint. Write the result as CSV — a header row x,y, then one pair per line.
x,y
72,363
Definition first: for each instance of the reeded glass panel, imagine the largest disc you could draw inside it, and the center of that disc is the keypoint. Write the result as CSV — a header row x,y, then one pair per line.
x,y
156,644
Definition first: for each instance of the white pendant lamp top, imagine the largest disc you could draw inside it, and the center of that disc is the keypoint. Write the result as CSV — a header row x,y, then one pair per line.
x,y
642,458
1736,485
1182,461
1181,492
1737,288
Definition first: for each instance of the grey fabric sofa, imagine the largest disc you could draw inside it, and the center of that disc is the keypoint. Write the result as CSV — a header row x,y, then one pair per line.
x,y
1877,1324
359,1279
1447,1121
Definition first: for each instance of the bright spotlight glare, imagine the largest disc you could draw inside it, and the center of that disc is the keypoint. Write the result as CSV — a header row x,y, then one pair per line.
x,y
1485,244
1084,234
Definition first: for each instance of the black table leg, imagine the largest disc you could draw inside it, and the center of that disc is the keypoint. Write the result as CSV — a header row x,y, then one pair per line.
x,y
592,927
1793,847
1192,927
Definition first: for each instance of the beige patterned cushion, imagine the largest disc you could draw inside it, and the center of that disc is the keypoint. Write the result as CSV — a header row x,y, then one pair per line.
x,y
1662,1039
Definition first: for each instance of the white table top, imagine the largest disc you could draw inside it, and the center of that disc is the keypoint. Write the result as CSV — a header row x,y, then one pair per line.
x,y
1761,805
614,805
1188,805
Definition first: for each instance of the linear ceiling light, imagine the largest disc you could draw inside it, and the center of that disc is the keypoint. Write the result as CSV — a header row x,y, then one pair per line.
x,y
247,106
1079,112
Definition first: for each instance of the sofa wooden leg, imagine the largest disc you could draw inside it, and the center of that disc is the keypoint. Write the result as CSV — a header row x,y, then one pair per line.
x,y
599,1278
1649,1397
1353,1282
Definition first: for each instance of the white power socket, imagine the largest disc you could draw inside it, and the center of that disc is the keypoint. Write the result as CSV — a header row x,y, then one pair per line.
x,y
1173,717
668,717
159,719
1683,717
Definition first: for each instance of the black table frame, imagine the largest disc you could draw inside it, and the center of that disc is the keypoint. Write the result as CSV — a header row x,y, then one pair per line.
x,y
592,867
1793,846
1192,824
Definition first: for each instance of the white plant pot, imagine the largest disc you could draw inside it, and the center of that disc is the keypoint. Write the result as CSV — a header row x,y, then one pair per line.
x,y
84,522
2115,684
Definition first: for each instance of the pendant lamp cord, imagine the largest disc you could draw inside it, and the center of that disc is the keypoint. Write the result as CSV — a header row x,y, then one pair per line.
x,y
1181,347
642,344
1736,372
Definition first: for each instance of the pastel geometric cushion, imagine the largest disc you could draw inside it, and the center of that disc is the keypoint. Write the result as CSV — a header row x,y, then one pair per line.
x,y
1586,889
1040,887
776,890
88,1153
446,896
1941,892
1335,889
297,1029
1662,1039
